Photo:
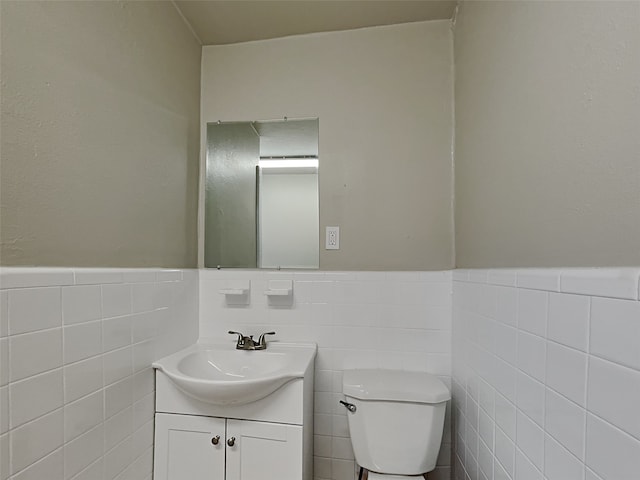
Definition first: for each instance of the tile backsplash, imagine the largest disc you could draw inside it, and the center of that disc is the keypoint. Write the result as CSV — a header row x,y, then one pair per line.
x,y
76,384
546,374
358,319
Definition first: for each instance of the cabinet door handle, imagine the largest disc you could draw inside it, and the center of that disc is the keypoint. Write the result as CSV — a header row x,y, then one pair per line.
x,y
215,440
231,442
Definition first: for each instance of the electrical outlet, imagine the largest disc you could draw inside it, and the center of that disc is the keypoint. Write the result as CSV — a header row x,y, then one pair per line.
x,y
332,241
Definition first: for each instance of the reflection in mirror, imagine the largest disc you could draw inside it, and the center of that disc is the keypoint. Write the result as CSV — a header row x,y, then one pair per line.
x,y
261,194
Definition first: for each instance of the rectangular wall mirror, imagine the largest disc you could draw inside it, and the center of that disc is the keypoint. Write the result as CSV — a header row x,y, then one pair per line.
x,y
261,194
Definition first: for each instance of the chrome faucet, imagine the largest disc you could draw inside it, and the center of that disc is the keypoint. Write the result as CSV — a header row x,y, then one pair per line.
x,y
248,343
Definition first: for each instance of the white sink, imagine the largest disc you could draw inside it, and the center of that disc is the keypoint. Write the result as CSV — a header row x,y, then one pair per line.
x,y
221,375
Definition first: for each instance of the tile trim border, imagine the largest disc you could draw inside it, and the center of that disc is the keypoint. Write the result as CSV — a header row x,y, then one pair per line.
x,y
622,282
27,277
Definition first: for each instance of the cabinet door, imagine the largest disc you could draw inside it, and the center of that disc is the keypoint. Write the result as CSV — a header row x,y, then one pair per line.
x,y
264,451
186,448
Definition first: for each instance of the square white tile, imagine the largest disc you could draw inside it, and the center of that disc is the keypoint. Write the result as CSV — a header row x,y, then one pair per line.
x,y
610,452
117,397
530,397
567,372
117,365
615,330
569,320
92,472
507,307
4,457
525,469
486,427
83,451
143,383
485,460
23,360
4,409
82,378
506,344
117,459
143,355
499,473
4,361
82,341
504,378
32,441
116,300
35,396
532,355
117,428
33,309
559,463
83,415
614,394
116,333
142,438
506,416
4,313
81,304
143,297
565,421
51,466
530,439
532,311
505,452
143,410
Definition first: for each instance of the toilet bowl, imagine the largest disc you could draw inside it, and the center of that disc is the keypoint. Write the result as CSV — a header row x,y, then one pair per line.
x,y
396,420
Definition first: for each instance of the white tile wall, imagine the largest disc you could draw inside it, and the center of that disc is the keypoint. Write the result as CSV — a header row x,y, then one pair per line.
x,y
358,319
556,395
546,366
76,387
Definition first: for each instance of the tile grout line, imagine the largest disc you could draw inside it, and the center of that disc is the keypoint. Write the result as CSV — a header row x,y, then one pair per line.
x,y
586,387
64,395
546,366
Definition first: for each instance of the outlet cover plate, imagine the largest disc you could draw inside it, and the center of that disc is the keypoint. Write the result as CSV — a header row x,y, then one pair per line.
x,y
332,238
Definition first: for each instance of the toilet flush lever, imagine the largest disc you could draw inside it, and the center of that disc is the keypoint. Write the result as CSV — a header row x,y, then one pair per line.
x,y
349,406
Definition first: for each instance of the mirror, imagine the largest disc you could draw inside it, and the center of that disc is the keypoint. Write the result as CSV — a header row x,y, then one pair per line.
x,y
261,194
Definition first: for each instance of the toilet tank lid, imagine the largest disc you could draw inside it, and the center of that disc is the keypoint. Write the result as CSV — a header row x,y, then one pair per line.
x,y
394,385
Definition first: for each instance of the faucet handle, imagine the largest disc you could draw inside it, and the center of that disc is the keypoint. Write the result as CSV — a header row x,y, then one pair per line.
x,y
261,339
241,337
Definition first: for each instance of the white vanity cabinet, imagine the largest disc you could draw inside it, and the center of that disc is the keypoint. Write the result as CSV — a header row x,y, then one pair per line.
x,y
263,450
209,448
190,447
266,439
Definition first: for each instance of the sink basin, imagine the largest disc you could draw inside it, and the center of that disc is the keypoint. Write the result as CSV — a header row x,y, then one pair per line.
x,y
221,375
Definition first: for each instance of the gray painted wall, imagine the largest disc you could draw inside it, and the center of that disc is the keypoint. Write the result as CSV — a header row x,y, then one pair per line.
x,y
547,134
100,129
100,102
384,101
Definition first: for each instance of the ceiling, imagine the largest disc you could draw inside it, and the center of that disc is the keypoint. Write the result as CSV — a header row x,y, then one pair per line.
x,y
222,22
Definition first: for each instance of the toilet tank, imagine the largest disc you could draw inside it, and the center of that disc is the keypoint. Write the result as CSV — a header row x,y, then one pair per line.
x,y
398,421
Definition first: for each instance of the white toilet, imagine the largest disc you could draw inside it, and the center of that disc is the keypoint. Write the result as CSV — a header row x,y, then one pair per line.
x,y
396,420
